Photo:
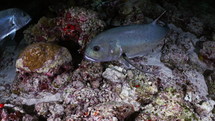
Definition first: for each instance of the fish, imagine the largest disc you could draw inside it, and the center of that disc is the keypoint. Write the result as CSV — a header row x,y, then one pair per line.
x,y
126,42
12,20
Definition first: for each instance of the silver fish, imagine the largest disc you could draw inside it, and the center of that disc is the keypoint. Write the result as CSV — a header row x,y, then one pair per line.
x,y
12,20
126,42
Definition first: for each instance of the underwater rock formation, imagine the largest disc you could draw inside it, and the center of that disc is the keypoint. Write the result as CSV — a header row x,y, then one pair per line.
x,y
44,31
43,58
183,88
208,52
169,105
40,66
74,24
110,111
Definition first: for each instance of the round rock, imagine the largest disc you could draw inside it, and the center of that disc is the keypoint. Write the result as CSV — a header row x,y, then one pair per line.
x,y
43,58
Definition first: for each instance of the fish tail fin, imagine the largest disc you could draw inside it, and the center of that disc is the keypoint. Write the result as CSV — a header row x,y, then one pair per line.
x,y
155,21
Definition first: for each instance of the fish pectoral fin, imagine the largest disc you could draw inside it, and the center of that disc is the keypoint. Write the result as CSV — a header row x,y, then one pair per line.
x,y
126,59
126,63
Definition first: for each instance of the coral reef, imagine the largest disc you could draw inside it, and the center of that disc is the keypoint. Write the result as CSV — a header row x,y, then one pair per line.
x,y
169,105
82,22
86,97
40,67
74,24
195,26
208,52
110,111
10,116
56,89
13,113
43,58
210,77
54,108
44,31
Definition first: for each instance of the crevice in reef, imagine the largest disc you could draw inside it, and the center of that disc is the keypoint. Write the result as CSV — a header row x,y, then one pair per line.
x,y
73,48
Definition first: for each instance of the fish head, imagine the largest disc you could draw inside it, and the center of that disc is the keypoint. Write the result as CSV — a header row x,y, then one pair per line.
x,y
103,50
21,18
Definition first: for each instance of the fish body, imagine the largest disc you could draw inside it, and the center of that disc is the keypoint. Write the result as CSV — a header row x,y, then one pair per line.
x,y
133,41
12,20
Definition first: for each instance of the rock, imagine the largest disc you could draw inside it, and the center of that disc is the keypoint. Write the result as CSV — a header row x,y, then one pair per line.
x,y
114,74
169,105
43,58
114,111
42,67
196,26
74,24
208,52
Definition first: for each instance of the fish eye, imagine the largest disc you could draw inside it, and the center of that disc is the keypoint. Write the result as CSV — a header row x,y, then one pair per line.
x,y
96,48
12,23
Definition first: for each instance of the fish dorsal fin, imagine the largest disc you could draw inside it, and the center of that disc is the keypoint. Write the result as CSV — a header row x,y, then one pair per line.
x,y
155,21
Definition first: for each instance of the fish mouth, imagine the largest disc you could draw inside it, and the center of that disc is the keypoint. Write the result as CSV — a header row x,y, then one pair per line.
x,y
89,58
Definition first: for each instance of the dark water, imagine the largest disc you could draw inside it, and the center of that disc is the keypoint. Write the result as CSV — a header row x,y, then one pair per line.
x,y
39,8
